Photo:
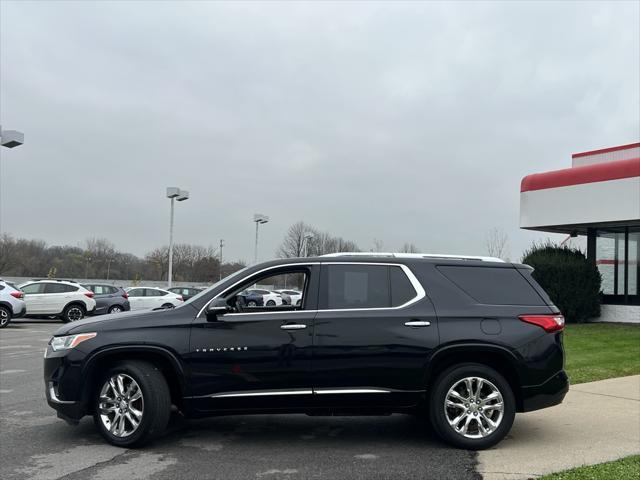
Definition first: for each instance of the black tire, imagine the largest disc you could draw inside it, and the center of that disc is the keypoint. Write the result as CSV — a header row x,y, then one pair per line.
x,y
252,303
437,413
116,309
73,313
271,303
157,403
5,316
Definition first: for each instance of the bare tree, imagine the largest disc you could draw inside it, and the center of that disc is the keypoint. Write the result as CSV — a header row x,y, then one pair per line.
x,y
496,243
7,252
409,248
378,245
320,243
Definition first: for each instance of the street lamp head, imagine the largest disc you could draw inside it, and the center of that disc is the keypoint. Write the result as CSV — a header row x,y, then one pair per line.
x,y
173,192
259,218
184,195
11,138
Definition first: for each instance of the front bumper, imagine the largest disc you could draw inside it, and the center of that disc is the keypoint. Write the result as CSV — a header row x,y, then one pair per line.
x,y
547,394
62,385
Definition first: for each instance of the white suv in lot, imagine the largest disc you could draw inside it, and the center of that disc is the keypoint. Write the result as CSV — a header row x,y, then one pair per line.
x,y
147,298
11,303
61,298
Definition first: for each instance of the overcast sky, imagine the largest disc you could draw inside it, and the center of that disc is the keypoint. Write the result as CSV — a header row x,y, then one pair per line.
x,y
403,122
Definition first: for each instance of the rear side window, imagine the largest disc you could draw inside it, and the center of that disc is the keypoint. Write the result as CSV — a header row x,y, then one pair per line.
x,y
401,288
357,286
493,286
59,288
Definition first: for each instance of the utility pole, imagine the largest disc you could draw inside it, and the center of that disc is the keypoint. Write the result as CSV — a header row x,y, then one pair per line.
x,y
258,218
174,193
221,245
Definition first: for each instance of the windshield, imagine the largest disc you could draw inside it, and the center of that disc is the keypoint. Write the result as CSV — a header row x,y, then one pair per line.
x,y
207,290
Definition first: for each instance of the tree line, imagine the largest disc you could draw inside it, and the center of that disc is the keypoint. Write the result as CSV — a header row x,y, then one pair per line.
x,y
99,258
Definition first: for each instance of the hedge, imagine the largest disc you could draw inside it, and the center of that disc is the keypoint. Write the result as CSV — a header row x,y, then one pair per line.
x,y
572,282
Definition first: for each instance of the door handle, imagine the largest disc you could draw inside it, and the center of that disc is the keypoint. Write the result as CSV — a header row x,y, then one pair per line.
x,y
293,326
417,323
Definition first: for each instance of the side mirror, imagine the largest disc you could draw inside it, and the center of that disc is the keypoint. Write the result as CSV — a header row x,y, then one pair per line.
x,y
216,308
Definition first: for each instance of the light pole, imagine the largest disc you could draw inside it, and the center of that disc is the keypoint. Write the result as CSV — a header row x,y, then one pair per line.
x,y
9,139
258,218
174,193
307,237
221,245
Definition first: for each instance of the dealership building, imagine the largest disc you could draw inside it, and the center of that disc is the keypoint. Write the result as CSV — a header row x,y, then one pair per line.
x,y
599,198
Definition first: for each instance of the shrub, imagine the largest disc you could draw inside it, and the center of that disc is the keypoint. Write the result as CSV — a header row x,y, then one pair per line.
x,y
572,282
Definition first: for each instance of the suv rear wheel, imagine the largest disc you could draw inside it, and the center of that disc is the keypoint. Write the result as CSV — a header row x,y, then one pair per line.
x,y
73,313
472,406
5,316
132,404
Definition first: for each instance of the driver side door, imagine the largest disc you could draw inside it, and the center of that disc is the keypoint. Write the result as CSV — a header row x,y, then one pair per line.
x,y
255,357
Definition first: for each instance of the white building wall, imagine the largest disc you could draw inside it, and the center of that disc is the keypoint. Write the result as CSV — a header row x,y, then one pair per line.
x,y
597,202
619,314
625,154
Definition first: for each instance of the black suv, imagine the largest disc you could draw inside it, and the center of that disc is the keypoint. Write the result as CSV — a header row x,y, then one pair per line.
x,y
463,343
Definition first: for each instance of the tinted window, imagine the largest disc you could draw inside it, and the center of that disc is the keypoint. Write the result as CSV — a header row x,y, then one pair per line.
x,y
356,286
493,286
136,292
1,287
149,292
58,288
401,289
33,288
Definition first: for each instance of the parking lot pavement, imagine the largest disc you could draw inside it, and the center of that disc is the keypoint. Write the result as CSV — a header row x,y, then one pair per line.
x,y
34,444
596,423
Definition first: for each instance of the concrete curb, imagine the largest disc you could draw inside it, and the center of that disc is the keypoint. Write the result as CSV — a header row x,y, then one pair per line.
x,y
597,422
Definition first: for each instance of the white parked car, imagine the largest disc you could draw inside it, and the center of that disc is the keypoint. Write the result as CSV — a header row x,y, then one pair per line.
x,y
11,303
290,297
145,298
269,298
65,299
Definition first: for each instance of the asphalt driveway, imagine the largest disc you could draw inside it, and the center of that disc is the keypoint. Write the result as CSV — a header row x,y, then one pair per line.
x,y
34,444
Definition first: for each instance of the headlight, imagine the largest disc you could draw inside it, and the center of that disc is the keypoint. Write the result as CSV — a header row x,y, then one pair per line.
x,y
70,341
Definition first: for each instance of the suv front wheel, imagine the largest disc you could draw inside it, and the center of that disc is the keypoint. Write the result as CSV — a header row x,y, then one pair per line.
x,y
132,404
472,406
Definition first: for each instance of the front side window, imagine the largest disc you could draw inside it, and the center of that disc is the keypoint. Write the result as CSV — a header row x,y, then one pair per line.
x,y
260,295
136,292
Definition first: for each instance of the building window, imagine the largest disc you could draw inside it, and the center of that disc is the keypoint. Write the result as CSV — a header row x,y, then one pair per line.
x,y
616,255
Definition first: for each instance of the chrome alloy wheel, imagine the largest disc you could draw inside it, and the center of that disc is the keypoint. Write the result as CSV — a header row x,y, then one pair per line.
x,y
474,407
121,405
75,313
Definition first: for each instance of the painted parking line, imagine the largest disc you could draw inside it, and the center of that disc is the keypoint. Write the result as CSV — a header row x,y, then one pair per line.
x,y
6,372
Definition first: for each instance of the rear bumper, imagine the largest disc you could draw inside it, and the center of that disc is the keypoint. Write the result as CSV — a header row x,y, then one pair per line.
x,y
547,394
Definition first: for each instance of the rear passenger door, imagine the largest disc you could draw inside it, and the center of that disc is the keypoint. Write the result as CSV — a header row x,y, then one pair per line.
x,y
56,296
374,332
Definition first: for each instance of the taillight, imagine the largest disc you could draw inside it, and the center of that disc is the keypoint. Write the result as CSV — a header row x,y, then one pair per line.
x,y
18,295
89,294
550,323
125,295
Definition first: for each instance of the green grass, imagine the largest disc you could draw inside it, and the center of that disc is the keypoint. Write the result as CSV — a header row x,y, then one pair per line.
x,y
595,351
623,469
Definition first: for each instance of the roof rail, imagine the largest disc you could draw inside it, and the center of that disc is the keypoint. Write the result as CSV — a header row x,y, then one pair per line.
x,y
415,255
52,280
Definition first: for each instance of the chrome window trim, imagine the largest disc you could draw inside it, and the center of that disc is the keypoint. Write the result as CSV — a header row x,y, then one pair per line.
x,y
417,286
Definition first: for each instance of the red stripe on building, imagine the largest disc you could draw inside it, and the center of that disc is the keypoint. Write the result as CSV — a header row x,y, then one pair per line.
x,y
605,150
599,172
